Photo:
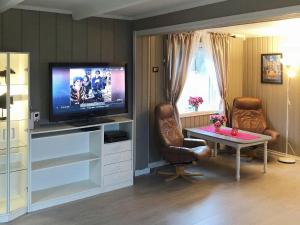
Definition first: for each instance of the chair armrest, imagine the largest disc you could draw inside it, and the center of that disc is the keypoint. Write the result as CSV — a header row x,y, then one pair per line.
x,y
180,150
193,142
274,134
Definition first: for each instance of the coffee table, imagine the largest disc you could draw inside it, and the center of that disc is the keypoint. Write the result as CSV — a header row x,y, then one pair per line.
x,y
232,141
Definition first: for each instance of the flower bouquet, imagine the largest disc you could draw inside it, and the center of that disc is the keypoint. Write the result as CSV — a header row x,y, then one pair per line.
x,y
218,121
195,102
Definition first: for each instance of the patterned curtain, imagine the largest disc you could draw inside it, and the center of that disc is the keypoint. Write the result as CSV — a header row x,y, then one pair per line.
x,y
181,48
220,46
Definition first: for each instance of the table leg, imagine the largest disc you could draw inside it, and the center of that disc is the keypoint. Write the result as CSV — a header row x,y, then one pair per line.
x,y
238,162
188,134
216,149
265,156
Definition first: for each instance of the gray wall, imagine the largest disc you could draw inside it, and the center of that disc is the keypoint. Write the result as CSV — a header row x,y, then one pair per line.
x,y
51,37
228,8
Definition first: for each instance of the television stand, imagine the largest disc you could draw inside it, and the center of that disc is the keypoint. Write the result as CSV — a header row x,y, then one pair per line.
x,y
86,122
68,163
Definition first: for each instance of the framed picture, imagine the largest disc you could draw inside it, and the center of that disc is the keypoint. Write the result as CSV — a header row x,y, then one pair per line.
x,y
271,68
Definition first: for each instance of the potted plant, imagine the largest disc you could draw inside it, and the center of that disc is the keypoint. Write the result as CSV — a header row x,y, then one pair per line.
x,y
217,120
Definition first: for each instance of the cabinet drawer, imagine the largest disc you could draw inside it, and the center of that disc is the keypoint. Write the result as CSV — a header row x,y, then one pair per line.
x,y
117,167
116,147
117,178
115,158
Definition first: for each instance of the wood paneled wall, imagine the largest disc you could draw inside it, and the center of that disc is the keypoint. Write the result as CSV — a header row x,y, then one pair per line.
x,y
142,112
150,92
273,96
235,67
195,121
157,93
51,37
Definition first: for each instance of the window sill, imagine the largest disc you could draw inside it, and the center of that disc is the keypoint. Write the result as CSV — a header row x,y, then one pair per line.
x,y
202,113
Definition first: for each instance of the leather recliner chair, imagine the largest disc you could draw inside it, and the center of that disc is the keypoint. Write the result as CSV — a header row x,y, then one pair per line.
x,y
247,114
176,149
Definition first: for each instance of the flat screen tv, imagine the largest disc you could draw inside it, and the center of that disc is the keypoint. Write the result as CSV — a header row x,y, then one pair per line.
x,y
86,90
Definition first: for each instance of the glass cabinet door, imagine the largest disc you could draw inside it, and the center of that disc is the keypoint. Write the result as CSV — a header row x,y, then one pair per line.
x,y
17,117
4,153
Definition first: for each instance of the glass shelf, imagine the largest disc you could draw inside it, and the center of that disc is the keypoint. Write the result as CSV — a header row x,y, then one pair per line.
x,y
14,131
13,149
14,120
14,167
5,85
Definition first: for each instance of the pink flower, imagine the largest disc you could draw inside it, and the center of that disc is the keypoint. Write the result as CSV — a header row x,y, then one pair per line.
x,y
195,101
217,120
218,124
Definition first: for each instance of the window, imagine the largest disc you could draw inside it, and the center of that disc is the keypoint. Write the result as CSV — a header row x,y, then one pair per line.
x,y
201,82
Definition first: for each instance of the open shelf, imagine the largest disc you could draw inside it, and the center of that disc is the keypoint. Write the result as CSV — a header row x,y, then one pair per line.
x,y
64,191
70,163
50,163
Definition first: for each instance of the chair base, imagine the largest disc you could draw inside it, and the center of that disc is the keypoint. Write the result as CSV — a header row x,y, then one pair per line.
x,y
287,160
180,172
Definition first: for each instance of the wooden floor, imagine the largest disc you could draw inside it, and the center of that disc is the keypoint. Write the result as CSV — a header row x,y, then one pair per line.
x,y
258,199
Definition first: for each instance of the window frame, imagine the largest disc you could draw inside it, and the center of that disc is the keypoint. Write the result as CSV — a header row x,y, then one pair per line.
x,y
202,112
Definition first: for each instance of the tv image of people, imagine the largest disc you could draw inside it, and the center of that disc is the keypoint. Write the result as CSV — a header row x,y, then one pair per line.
x,y
82,89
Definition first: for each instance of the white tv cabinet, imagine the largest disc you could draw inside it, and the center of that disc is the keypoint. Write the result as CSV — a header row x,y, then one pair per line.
x,y
68,163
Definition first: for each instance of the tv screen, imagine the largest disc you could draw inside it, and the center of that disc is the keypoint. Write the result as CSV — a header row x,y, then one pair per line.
x,y
80,91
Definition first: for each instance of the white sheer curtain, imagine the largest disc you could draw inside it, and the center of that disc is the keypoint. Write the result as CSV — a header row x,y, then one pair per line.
x,y
201,80
217,46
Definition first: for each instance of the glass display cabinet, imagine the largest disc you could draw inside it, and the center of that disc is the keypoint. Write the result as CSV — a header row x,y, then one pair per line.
x,y
14,120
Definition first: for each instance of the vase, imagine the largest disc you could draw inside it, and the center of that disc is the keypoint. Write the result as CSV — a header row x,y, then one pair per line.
x,y
234,131
217,129
196,108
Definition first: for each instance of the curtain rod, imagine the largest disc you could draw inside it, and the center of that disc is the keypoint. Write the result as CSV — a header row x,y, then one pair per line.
x,y
230,35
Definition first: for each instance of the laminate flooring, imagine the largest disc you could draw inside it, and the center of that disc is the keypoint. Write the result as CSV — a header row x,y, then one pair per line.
x,y
258,199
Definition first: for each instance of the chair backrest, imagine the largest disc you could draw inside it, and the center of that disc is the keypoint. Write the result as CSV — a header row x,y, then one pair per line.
x,y
168,130
247,114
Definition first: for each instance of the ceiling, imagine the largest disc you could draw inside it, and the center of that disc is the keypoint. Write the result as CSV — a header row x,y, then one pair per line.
x,y
124,9
285,28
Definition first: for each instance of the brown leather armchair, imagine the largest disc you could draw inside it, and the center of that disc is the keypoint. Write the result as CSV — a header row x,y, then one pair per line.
x,y
176,149
247,114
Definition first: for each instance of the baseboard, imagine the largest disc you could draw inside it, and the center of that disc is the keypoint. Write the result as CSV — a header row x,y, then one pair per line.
x,y
157,164
163,162
142,172
150,166
278,154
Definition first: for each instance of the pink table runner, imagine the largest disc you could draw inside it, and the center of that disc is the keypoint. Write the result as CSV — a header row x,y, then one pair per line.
x,y
227,132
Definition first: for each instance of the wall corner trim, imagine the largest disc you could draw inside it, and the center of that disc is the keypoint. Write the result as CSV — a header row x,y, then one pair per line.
x,y
156,164
142,172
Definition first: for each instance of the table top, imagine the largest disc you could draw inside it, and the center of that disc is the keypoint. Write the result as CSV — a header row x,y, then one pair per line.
x,y
260,137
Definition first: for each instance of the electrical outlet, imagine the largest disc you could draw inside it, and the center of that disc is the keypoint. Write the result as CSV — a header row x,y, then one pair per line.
x,y
35,116
155,69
